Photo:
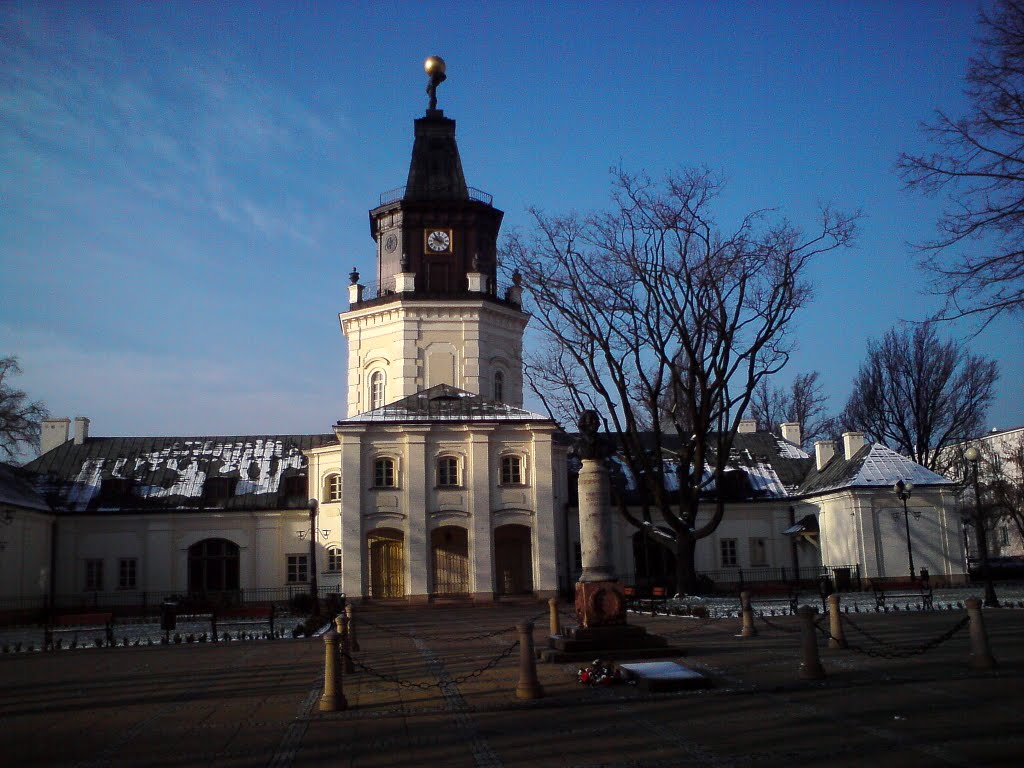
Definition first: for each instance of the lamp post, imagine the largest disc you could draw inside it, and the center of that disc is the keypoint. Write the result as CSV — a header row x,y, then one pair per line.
x,y
973,455
313,591
903,490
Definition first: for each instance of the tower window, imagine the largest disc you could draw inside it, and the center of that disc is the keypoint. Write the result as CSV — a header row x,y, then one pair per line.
x,y
376,389
448,471
511,470
384,473
499,386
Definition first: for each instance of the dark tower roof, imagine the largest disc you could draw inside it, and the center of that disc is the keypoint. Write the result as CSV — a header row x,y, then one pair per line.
x,y
435,171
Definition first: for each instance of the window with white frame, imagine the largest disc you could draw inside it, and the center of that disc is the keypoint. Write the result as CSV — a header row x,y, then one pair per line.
x,y
512,470
127,568
384,473
758,552
332,488
448,472
727,547
298,569
376,389
334,558
499,386
93,575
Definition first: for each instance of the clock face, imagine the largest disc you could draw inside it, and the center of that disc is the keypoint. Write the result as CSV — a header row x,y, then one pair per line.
x,y
390,243
439,241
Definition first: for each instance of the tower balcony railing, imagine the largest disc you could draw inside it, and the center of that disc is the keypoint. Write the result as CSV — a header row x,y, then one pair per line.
x,y
493,289
398,193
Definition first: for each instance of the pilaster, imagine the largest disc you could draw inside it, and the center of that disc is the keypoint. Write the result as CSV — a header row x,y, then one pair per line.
x,y
414,480
481,537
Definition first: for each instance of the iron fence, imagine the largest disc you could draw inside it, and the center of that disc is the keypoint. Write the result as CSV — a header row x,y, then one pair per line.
x,y
841,577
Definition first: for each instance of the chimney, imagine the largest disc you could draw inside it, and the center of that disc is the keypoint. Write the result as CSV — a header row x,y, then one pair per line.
x,y
852,442
791,432
824,450
53,433
747,425
81,430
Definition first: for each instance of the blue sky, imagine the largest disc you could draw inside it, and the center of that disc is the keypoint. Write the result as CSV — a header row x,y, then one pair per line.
x,y
184,187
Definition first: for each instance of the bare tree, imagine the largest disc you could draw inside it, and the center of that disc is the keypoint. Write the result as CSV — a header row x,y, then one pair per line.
x,y
651,297
977,259
19,418
919,394
1001,481
803,402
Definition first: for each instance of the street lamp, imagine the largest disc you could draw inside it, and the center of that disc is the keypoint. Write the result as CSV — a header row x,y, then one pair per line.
x,y
313,591
903,490
973,455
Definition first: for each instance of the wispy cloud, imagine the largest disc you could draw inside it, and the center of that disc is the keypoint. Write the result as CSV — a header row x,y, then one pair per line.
x,y
191,128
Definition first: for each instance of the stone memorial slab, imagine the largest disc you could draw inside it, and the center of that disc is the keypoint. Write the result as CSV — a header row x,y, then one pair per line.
x,y
657,676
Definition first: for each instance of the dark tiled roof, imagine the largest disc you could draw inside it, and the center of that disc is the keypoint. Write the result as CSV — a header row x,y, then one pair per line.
x,y
445,403
873,466
16,490
111,474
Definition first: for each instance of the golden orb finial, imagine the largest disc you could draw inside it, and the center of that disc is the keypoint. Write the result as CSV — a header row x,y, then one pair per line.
x,y
434,65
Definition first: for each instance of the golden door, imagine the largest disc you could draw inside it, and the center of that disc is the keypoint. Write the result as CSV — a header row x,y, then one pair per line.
x,y
387,563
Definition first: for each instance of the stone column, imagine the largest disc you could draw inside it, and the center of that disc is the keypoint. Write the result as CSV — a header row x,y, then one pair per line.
x,y
835,623
810,664
749,630
529,686
595,522
553,616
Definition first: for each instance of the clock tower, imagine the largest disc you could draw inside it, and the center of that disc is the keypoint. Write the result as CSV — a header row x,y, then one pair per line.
x,y
436,314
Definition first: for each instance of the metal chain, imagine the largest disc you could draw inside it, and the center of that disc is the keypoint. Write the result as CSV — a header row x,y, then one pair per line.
x,y
418,636
437,683
779,627
905,651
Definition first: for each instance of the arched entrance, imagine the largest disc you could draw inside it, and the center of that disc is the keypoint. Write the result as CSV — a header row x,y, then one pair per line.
x,y
654,562
450,547
212,566
513,560
387,563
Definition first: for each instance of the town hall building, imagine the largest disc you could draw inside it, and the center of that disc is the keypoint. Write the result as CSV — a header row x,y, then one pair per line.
x,y
438,484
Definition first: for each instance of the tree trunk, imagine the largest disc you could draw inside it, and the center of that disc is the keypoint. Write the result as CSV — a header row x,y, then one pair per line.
x,y
686,570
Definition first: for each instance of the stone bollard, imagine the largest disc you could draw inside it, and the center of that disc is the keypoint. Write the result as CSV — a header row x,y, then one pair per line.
x,y
835,623
333,699
528,686
556,629
981,656
343,647
213,625
810,665
350,623
749,630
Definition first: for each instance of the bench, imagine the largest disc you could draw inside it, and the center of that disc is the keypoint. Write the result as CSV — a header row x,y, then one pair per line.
x,y
922,593
637,599
79,622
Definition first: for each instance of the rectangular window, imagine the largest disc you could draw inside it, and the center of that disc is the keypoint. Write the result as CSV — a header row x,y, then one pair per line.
x,y
334,488
127,567
93,575
758,552
448,471
511,470
384,473
298,569
334,559
728,550
1004,536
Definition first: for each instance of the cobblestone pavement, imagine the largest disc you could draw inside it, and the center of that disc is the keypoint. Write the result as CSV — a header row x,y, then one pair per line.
x,y
414,699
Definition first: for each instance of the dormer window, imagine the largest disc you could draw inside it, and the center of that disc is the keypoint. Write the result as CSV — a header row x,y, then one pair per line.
x,y
294,486
219,489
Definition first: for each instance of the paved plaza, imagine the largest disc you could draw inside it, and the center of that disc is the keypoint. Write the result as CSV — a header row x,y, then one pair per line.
x,y
436,687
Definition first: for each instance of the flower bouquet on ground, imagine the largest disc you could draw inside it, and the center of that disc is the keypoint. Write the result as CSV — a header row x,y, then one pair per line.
x,y
600,673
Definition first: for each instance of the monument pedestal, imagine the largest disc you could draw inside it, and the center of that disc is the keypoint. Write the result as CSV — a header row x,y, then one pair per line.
x,y
603,632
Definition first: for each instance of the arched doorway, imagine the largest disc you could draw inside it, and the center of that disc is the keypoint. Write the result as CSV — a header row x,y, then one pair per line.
x,y
654,562
212,566
513,560
387,563
450,547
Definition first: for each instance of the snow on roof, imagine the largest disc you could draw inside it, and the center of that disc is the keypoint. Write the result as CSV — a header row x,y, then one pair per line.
x,y
874,465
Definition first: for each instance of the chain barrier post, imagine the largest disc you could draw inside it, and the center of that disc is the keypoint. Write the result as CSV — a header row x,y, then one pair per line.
x,y
343,644
553,614
810,666
837,639
333,698
981,656
529,686
749,630
350,623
